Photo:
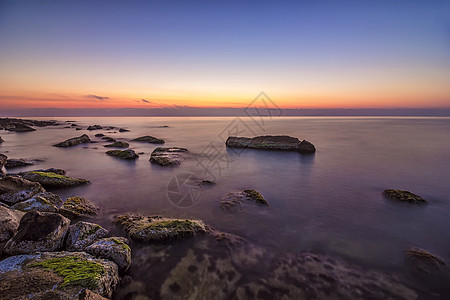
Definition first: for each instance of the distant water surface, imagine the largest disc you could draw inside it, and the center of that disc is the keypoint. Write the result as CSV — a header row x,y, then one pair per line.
x,y
330,202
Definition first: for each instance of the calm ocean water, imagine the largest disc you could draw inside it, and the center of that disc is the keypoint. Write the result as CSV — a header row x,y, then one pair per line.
x,y
330,202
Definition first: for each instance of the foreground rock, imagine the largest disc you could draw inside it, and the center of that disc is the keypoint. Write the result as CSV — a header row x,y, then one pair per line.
x,y
238,199
56,275
74,141
15,189
83,234
38,232
269,142
123,154
149,139
404,196
9,222
155,228
43,202
118,144
78,207
53,180
168,156
16,163
113,248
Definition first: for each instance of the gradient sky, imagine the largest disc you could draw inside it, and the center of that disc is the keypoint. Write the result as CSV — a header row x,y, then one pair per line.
x,y
303,54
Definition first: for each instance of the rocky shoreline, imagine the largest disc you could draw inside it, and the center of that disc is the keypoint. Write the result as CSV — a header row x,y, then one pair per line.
x,y
50,250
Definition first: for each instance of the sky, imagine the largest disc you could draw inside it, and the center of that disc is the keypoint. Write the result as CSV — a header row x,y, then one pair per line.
x,y
169,54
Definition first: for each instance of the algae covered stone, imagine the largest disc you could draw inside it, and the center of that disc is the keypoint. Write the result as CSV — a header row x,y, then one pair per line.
x,y
156,228
123,154
112,248
74,141
149,139
78,207
83,234
168,156
241,198
404,196
53,180
118,144
38,232
49,274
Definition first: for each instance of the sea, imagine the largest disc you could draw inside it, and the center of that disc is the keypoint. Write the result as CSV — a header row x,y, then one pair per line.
x,y
329,203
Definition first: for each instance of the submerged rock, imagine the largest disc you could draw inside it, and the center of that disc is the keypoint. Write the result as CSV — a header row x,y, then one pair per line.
x,y
269,142
9,222
38,232
404,196
168,156
53,180
15,189
20,162
112,248
108,139
237,199
149,139
83,234
156,228
118,144
1,140
123,130
425,262
78,207
99,135
18,127
56,275
74,141
94,127
123,154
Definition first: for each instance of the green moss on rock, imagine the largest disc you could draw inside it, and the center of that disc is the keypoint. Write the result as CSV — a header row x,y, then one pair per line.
x,y
405,196
256,196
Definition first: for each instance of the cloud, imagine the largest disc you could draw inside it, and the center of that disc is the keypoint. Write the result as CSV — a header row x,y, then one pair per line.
x,y
101,98
146,101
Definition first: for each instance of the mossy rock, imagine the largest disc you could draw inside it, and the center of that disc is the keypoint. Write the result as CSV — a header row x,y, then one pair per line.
x,y
118,144
404,196
123,154
155,228
78,207
74,141
114,249
53,180
149,139
168,156
240,199
82,234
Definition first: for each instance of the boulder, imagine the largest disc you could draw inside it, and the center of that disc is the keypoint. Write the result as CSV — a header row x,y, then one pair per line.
x,y
123,154
83,234
149,139
9,222
425,262
56,275
53,180
15,189
94,127
168,156
404,196
78,207
271,142
240,198
155,228
83,139
118,144
38,231
16,163
37,203
112,248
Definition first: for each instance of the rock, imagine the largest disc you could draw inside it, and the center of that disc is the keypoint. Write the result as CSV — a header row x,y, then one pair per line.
x,y
51,275
52,170
118,144
237,199
83,234
149,139
269,142
9,222
73,125
155,228
37,203
74,141
404,196
90,295
108,139
78,128
38,232
206,182
94,127
99,135
167,156
78,207
123,154
18,127
425,262
53,180
3,160
1,140
15,189
123,130
15,163
112,248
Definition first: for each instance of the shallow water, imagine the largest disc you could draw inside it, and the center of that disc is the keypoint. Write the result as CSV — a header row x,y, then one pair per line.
x,y
329,203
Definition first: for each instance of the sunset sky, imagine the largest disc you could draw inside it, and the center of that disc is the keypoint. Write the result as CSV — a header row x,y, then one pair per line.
x,y
146,54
